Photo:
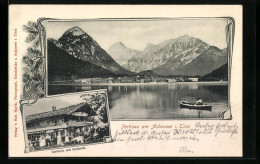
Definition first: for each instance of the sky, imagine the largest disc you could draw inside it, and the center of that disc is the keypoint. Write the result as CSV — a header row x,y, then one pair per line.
x,y
137,34
59,101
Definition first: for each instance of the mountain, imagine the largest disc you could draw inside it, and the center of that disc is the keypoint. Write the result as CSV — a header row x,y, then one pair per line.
x,y
63,66
184,55
218,74
203,64
225,51
82,46
184,48
121,54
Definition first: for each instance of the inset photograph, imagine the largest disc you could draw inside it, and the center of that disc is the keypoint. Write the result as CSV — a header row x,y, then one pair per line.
x,y
67,120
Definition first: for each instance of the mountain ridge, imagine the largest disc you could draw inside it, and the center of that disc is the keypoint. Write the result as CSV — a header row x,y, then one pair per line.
x,y
184,55
206,62
157,55
82,46
63,66
220,73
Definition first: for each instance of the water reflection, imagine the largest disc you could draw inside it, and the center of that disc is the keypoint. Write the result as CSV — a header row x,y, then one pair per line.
x,y
172,87
194,86
156,101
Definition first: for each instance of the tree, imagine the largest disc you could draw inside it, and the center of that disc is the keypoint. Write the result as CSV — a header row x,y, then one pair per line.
x,y
32,29
33,87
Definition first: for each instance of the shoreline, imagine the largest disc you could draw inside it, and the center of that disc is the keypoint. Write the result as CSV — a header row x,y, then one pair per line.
x,y
124,84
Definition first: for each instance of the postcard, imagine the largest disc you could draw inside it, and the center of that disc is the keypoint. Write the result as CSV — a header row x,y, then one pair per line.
x,y
125,81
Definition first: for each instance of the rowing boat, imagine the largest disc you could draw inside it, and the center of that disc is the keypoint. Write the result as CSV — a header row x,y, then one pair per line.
x,y
185,104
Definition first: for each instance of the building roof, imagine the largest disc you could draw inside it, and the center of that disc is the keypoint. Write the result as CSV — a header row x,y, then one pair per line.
x,y
61,111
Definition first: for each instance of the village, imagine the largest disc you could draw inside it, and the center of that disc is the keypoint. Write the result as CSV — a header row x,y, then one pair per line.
x,y
125,79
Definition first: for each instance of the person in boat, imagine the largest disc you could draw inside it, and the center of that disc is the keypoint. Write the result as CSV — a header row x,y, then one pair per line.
x,y
199,102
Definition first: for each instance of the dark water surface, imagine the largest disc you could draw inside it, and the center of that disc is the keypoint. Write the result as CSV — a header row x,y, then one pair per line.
x,y
156,101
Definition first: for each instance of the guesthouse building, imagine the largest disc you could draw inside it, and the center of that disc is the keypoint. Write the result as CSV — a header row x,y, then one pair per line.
x,y
68,124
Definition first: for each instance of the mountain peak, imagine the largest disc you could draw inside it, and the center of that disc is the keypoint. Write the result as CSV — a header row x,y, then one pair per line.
x,y
214,48
184,38
118,45
76,31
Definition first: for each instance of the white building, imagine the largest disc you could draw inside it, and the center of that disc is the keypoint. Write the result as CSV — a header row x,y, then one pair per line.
x,y
171,80
194,79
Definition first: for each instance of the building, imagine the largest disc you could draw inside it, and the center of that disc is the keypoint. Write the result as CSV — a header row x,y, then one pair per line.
x,y
179,79
193,79
86,80
99,80
126,80
68,122
110,80
171,80
160,79
77,80
146,80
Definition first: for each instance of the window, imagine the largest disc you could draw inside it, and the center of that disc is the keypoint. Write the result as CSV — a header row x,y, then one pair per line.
x,y
53,135
54,122
35,136
36,124
29,125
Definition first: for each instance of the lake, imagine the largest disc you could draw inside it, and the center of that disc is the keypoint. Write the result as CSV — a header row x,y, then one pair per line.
x,y
156,101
